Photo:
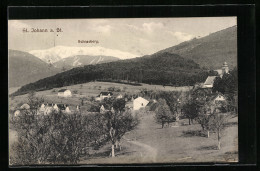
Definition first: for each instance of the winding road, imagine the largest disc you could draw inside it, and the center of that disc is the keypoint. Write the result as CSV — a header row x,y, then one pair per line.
x,y
150,153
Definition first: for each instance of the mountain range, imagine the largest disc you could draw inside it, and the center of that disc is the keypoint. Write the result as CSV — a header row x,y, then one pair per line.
x,y
81,60
199,54
57,53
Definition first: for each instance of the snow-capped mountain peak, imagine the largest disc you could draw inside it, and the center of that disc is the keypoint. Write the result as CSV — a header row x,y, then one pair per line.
x,y
60,52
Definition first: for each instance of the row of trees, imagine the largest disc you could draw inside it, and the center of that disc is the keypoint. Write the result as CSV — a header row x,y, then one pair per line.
x,y
60,138
194,105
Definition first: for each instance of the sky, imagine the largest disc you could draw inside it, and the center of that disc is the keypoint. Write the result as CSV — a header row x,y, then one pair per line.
x,y
138,36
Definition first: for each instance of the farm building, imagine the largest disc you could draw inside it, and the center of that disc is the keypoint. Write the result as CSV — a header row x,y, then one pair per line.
x,y
104,95
139,103
64,93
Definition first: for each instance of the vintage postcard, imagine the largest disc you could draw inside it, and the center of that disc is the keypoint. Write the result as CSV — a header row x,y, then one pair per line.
x,y
122,91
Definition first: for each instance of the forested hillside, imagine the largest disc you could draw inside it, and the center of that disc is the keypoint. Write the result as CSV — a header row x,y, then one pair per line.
x,y
210,51
163,68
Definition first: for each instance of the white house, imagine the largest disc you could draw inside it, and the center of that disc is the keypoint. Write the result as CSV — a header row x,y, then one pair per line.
x,y
219,97
64,93
56,108
139,103
17,113
120,96
102,109
67,110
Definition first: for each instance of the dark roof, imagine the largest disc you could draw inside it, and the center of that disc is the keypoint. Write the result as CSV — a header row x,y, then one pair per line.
x,y
106,93
62,90
61,106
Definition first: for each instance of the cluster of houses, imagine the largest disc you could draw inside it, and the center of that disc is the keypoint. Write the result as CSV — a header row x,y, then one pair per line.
x,y
205,89
133,104
46,109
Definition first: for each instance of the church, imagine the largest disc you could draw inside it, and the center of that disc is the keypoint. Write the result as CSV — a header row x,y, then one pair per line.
x,y
210,80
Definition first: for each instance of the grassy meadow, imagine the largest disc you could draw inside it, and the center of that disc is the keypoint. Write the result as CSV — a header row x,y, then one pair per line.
x,y
150,143
88,90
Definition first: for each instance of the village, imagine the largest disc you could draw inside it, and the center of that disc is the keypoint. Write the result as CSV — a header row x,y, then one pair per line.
x,y
134,101
144,102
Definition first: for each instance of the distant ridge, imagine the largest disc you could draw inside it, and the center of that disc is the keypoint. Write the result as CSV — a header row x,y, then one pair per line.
x,y
210,51
24,68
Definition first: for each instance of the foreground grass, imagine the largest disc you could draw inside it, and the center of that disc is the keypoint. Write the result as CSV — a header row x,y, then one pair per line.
x,y
186,143
150,143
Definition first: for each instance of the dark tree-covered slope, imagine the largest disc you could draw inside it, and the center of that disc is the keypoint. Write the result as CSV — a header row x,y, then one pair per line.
x,y
163,68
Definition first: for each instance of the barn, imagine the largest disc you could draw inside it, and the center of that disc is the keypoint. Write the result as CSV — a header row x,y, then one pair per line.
x,y
64,93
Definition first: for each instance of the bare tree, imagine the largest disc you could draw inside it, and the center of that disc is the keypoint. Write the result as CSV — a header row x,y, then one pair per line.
x,y
118,122
218,122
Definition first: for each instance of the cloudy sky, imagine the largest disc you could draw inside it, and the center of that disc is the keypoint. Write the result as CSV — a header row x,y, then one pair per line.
x,y
137,36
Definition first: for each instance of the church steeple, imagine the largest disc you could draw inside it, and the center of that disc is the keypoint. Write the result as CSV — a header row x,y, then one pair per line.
x,y
225,68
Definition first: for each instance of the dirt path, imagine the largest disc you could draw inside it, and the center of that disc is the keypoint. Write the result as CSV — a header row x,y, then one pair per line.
x,y
150,153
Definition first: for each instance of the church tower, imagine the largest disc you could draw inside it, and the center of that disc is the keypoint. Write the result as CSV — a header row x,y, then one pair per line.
x,y
225,68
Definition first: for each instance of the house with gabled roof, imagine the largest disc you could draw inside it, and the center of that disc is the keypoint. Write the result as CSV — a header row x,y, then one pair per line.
x,y
103,95
64,93
139,102
209,82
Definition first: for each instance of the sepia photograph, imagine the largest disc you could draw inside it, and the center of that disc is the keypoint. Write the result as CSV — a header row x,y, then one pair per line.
x,y
122,91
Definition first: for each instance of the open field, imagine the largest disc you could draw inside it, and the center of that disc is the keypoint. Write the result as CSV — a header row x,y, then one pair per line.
x,y
90,89
149,143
